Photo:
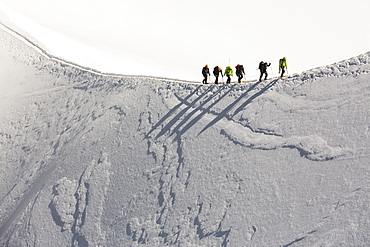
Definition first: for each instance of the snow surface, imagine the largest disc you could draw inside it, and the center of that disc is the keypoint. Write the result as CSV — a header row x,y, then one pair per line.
x,y
91,159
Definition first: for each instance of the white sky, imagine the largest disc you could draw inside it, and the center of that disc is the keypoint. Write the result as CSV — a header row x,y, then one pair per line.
x,y
176,39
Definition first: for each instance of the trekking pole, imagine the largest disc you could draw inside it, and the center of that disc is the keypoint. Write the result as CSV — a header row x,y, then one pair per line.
x,y
272,73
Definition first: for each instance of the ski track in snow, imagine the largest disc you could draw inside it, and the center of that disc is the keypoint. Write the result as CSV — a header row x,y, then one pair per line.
x,y
77,206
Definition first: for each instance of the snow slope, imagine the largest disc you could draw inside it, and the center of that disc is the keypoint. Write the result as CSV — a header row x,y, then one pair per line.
x,y
89,159
100,57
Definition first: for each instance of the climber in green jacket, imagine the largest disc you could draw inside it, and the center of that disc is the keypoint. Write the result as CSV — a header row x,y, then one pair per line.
x,y
283,66
229,72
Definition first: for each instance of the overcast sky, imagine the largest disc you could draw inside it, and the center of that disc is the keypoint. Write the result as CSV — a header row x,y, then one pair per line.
x,y
176,39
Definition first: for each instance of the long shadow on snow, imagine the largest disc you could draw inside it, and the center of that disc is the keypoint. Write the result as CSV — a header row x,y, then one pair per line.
x,y
199,108
200,116
179,115
171,112
203,110
241,107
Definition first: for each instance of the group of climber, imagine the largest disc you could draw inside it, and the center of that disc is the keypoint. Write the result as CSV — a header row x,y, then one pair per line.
x,y
239,71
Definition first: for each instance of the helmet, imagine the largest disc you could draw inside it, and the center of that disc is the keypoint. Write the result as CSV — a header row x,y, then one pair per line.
x,y
206,65
284,58
219,69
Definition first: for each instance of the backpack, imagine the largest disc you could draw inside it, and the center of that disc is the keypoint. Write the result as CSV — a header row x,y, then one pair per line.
x,y
216,71
205,71
282,63
260,67
239,70
228,71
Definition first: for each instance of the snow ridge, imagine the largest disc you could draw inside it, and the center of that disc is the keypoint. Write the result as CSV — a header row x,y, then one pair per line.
x,y
354,66
75,66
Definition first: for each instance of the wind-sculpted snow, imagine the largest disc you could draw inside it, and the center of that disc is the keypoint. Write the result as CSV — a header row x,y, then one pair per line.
x,y
90,159
311,147
77,206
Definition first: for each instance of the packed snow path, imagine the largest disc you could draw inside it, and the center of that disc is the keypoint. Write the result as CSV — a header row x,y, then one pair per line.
x,y
104,160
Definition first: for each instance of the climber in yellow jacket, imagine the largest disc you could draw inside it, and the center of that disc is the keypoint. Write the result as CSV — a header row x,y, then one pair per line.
x,y
229,72
283,66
